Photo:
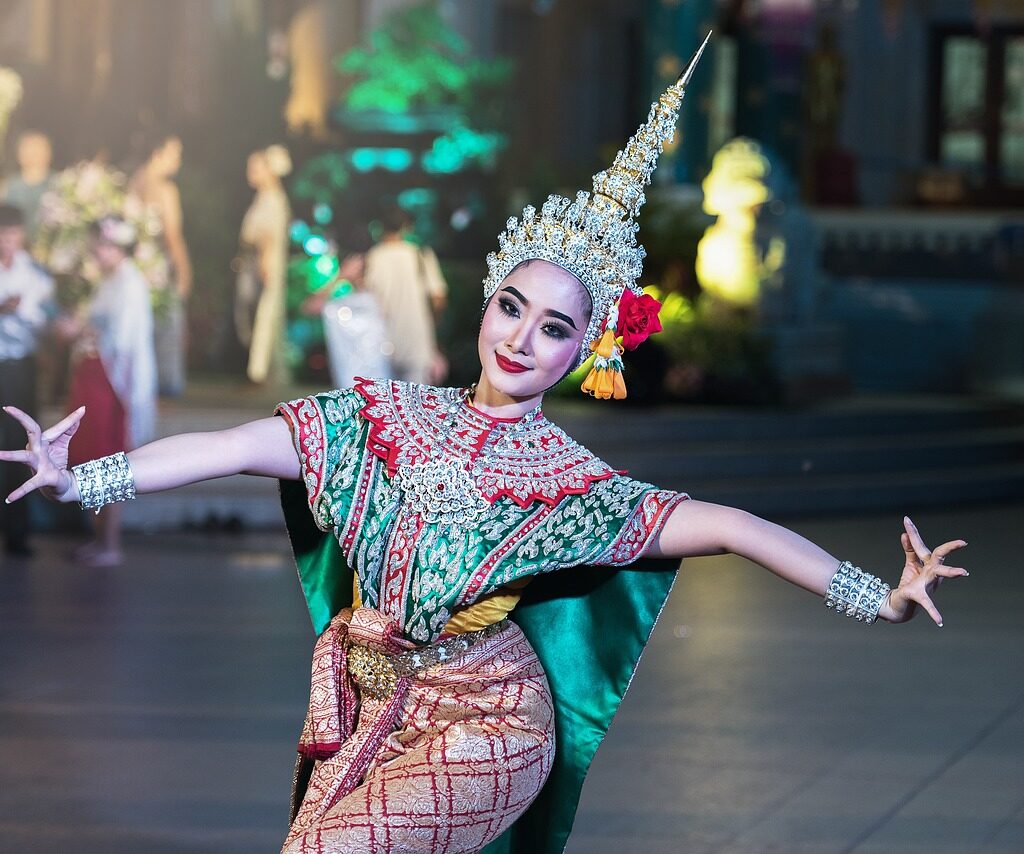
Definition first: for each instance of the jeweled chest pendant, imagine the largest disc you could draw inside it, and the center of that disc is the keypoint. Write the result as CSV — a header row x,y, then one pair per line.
x,y
441,492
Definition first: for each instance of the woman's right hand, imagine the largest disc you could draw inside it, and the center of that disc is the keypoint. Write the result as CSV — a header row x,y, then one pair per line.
x,y
46,454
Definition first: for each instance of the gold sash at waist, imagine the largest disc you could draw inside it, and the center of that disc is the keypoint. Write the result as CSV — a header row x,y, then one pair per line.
x,y
486,611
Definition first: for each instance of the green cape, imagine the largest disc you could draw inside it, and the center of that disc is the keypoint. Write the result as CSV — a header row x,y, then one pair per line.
x,y
588,625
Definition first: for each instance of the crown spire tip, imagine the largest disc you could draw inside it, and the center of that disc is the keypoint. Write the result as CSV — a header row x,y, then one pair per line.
x,y
684,78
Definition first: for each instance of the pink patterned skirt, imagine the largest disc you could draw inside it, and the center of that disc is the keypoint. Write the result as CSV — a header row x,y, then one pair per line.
x,y
446,763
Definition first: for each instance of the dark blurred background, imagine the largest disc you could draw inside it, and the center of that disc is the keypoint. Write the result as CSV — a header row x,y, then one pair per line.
x,y
887,137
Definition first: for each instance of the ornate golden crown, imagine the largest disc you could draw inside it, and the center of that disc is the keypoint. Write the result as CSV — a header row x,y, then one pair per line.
x,y
594,236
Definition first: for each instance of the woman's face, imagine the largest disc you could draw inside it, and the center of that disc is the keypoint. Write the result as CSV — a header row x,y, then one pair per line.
x,y
256,170
168,157
532,329
108,255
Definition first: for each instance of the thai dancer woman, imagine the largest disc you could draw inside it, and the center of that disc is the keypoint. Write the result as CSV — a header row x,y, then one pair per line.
x,y
472,571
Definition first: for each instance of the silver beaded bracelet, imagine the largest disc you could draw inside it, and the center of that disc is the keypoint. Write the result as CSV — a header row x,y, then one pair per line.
x,y
856,592
104,481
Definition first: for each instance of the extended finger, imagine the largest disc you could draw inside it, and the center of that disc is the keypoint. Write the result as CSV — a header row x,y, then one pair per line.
x,y
943,550
31,427
925,602
950,571
23,490
915,539
62,426
908,547
26,457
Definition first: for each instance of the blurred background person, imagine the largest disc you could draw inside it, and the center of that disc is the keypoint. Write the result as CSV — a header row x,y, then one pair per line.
x,y
113,373
354,331
263,266
407,283
153,185
25,189
26,294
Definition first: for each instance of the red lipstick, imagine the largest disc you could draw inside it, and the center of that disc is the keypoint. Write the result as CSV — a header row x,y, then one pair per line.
x,y
508,365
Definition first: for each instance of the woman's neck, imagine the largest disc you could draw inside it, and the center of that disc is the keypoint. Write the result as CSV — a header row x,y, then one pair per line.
x,y
110,272
497,404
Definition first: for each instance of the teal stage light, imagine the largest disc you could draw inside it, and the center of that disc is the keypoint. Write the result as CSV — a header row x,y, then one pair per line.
x,y
326,265
396,159
315,245
390,159
323,214
364,159
416,197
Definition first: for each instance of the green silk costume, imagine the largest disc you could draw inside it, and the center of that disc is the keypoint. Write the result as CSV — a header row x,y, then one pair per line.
x,y
548,504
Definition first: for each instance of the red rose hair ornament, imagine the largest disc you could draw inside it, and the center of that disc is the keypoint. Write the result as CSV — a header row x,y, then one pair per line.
x,y
636,318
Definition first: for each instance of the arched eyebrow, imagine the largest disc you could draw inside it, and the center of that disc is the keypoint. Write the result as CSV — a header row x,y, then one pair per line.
x,y
550,311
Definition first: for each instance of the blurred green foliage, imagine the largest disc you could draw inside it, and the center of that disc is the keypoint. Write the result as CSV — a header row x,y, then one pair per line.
x,y
416,60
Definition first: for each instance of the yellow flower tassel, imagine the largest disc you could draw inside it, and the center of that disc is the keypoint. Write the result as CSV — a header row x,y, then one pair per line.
x,y
605,378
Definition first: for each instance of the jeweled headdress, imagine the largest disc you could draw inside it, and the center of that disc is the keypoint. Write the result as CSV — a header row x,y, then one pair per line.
x,y
594,237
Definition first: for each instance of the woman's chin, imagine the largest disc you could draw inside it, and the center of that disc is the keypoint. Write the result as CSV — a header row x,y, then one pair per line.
x,y
516,386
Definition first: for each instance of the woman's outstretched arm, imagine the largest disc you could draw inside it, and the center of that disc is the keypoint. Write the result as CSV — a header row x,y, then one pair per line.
x,y
698,528
262,447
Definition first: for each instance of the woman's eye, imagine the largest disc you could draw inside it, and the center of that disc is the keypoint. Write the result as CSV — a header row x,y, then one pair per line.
x,y
507,307
554,331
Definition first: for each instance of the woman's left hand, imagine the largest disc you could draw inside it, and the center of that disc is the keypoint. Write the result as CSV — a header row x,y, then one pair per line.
x,y
922,573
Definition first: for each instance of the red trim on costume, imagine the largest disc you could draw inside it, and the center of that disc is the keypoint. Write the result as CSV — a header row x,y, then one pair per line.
x,y
537,460
397,572
310,438
360,501
642,526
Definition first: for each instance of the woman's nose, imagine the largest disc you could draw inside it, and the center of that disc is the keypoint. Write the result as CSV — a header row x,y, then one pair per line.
x,y
518,339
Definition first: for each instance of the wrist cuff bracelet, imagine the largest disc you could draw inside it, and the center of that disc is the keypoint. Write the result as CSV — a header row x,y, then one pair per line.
x,y
104,481
856,592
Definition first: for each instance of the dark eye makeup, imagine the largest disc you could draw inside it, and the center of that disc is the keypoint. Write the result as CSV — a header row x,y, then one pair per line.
x,y
552,330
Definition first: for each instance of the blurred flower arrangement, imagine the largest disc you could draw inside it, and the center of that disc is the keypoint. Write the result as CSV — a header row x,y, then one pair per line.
x,y
10,96
79,196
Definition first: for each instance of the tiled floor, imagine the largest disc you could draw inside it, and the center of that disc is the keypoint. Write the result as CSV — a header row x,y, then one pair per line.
x,y
154,708
760,722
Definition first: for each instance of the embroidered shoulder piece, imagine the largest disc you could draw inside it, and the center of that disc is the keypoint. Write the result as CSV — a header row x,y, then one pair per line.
x,y
526,460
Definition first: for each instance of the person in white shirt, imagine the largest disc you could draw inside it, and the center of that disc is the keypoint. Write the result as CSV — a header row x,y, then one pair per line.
x,y
407,283
26,294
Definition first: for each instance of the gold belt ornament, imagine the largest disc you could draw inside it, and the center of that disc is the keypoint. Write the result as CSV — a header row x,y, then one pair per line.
x,y
373,671
377,673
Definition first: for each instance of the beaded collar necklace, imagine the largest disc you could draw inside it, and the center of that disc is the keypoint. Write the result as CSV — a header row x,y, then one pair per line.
x,y
452,461
443,489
